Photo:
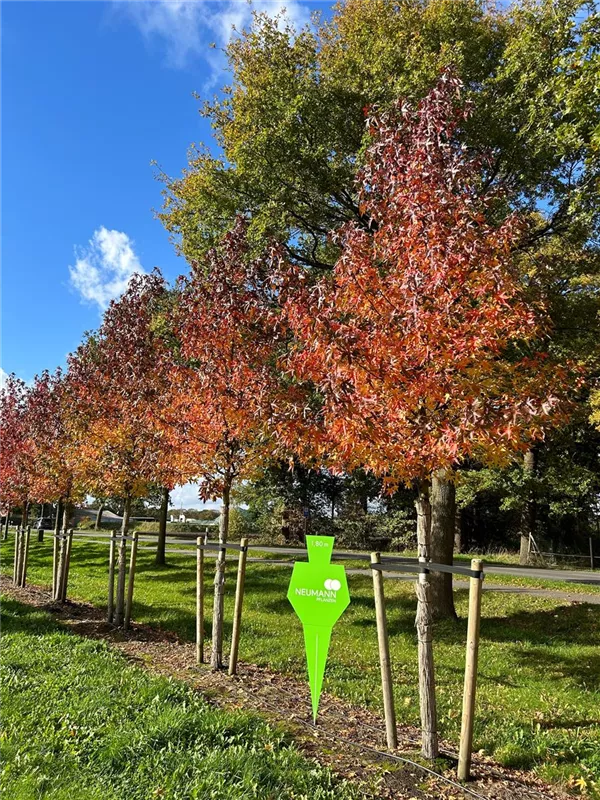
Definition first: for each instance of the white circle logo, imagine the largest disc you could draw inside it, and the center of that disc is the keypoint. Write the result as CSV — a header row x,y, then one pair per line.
x,y
332,585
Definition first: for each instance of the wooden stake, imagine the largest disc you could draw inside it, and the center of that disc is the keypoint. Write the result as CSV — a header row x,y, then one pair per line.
x,y
68,541
384,655
468,710
22,548
60,570
237,613
200,599
122,560
54,563
131,580
16,555
122,563
25,556
111,577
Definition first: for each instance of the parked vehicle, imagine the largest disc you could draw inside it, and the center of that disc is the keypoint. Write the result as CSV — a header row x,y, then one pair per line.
x,y
44,523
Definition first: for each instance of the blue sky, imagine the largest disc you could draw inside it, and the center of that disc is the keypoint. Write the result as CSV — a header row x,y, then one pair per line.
x,y
92,92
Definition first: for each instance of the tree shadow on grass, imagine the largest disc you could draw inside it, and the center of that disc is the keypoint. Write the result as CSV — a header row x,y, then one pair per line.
x,y
585,672
562,625
22,618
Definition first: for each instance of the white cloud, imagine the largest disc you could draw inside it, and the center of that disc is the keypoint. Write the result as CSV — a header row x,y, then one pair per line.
x,y
3,377
103,269
188,28
186,496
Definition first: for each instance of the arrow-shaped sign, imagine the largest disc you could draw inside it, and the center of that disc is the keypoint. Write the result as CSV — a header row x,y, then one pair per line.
x,y
319,595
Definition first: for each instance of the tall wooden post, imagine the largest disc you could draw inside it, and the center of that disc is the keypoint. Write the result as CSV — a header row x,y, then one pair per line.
x,y
121,563
25,556
131,580
55,546
468,710
237,613
111,577
25,533
200,541
16,555
216,653
384,655
67,542
60,569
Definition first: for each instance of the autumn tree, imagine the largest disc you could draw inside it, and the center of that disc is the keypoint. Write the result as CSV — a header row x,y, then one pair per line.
x,y
53,451
15,446
290,132
290,124
422,343
120,385
228,326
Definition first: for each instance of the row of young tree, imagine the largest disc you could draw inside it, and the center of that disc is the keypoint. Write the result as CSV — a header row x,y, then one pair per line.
x,y
418,351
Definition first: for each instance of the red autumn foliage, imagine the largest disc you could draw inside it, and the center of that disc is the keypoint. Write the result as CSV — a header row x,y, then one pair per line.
x,y
422,344
52,450
119,385
15,444
229,328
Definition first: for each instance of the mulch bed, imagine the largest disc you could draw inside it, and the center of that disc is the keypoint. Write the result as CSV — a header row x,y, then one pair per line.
x,y
350,739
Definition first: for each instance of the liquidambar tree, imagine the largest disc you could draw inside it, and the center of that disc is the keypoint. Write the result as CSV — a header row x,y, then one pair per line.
x,y
120,384
53,449
422,345
15,451
291,131
228,387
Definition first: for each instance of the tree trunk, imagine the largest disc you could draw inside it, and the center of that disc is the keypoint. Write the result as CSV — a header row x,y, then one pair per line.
x,y
25,515
459,543
62,551
529,510
6,521
216,655
285,524
99,513
443,513
122,564
66,514
58,516
424,626
161,544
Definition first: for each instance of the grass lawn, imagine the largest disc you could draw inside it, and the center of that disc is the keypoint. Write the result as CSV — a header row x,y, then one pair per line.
x,y
80,722
539,676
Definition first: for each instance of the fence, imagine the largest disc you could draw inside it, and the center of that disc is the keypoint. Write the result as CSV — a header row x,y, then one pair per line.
x,y
119,613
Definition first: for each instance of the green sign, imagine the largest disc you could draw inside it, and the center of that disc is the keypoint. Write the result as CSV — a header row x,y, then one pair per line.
x,y
319,594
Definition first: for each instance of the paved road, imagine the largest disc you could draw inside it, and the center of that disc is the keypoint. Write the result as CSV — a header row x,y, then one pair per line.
x,y
568,575
541,573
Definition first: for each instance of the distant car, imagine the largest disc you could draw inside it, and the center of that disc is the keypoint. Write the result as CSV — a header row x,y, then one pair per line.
x,y
45,523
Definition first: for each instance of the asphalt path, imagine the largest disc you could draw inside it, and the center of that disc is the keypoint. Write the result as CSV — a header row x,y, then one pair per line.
x,y
513,570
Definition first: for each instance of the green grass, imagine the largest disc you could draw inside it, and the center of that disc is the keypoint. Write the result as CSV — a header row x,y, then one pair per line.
x,y
80,722
538,703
